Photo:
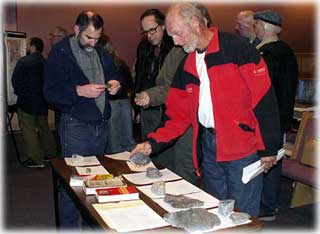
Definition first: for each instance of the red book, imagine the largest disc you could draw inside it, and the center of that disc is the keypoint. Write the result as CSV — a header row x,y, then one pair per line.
x,y
117,194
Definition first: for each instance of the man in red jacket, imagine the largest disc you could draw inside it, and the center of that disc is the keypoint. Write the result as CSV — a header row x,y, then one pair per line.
x,y
223,90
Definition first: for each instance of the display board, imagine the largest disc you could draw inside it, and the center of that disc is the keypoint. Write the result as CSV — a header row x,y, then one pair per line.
x,y
15,48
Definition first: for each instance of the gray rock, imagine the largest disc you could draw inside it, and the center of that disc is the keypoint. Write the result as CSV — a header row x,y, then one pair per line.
x,y
239,217
139,159
225,207
153,172
180,201
158,188
195,219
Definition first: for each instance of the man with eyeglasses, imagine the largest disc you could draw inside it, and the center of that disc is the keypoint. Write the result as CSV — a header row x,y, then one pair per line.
x,y
151,52
79,77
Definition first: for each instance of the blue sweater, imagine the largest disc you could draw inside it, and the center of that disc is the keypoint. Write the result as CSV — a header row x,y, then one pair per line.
x,y
62,74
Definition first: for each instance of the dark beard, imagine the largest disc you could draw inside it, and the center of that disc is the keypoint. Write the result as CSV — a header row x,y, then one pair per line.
x,y
79,43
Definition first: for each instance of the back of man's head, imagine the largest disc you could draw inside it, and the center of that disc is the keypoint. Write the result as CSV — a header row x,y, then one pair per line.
x,y
85,18
37,43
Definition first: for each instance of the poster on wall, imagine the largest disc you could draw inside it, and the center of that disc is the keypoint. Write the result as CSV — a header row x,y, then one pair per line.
x,y
15,48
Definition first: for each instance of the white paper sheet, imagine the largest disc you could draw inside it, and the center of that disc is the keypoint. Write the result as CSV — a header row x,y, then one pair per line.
x,y
127,216
135,167
95,170
254,169
124,156
141,178
85,161
176,188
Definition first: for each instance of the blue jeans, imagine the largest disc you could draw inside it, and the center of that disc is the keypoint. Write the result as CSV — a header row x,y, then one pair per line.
x,y
271,190
78,138
120,127
223,179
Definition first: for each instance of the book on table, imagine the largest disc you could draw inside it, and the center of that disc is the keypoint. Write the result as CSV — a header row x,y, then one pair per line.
x,y
90,186
117,194
78,180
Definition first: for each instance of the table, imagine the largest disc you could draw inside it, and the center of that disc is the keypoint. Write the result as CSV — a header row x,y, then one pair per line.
x,y
61,174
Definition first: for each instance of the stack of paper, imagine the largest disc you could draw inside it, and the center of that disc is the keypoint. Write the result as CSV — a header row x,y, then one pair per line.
x,y
254,169
129,216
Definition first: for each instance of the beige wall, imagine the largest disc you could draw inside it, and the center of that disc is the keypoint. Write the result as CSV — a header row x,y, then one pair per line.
x,y
122,21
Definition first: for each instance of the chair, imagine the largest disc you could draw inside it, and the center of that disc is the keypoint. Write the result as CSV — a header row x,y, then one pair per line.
x,y
302,167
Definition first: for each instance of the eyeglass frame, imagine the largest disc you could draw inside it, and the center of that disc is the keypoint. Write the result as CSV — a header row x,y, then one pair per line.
x,y
151,31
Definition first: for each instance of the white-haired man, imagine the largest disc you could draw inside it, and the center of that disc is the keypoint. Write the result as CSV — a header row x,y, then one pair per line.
x,y
223,90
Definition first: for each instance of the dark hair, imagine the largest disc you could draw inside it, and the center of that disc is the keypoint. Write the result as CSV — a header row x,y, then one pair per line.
x,y
37,43
160,17
88,17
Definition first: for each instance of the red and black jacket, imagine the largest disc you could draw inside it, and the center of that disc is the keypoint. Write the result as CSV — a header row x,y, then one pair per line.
x,y
244,104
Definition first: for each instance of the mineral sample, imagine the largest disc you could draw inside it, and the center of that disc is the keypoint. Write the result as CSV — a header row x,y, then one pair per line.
x,y
139,159
192,220
153,172
225,207
181,201
239,217
158,188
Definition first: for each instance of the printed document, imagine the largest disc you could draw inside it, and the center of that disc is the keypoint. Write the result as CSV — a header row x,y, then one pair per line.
x,y
128,216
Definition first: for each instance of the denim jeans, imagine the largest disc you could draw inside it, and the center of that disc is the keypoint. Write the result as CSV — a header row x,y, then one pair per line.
x,y
83,139
223,179
120,127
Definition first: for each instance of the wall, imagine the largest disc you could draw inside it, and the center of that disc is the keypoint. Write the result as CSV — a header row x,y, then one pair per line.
x,y
122,21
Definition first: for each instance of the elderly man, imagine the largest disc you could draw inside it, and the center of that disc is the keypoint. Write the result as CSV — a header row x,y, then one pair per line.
x,y
181,155
245,26
223,90
78,80
283,70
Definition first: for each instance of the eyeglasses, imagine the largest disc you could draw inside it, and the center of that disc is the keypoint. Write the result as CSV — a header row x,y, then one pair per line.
x,y
151,31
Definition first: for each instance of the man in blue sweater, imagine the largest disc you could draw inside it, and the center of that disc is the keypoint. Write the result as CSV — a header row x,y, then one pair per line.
x,y
79,76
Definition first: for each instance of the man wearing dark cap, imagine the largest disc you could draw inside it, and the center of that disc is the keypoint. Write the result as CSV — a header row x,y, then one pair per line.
x,y
283,70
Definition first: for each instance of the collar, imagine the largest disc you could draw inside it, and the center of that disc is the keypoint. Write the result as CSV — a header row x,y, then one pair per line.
x,y
213,47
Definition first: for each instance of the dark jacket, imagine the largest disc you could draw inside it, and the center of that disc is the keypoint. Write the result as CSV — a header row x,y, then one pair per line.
x,y
283,69
27,81
147,65
244,105
63,74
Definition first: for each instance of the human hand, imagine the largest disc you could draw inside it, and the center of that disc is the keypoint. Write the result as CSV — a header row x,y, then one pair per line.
x,y
90,90
269,162
142,99
143,148
113,86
